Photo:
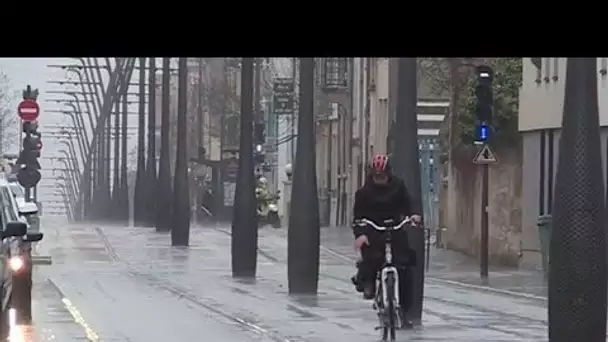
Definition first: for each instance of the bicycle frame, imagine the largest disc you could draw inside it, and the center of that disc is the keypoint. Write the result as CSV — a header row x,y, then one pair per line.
x,y
388,267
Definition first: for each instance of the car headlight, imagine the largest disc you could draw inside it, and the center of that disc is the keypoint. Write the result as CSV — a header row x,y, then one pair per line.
x,y
16,263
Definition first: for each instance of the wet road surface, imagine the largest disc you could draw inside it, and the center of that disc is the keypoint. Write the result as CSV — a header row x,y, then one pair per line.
x,y
129,284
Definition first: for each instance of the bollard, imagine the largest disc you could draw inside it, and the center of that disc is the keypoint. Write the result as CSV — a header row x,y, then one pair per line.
x,y
286,197
427,238
544,235
416,237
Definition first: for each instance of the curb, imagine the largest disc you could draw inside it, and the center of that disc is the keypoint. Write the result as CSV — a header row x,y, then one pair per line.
x,y
488,289
454,282
441,281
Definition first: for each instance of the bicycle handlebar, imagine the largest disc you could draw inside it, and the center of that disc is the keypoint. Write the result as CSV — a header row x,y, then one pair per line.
x,y
364,222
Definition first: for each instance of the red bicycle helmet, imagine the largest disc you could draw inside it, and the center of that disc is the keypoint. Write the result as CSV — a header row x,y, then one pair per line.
x,y
380,164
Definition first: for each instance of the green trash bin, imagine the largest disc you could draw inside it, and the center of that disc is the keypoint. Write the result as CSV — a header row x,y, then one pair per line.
x,y
544,234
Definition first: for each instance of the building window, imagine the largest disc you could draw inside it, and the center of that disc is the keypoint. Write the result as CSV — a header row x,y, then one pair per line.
x,y
335,73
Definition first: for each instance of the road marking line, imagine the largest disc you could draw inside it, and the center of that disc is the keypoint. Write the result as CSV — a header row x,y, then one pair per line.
x,y
13,330
166,285
90,334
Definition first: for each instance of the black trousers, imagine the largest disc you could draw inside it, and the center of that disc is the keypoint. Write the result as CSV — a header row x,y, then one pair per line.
x,y
403,258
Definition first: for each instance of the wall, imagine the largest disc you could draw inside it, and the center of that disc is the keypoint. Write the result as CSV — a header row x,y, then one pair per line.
x,y
541,111
464,199
539,169
542,94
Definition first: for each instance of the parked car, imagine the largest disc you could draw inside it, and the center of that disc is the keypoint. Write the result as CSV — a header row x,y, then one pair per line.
x,y
16,265
28,211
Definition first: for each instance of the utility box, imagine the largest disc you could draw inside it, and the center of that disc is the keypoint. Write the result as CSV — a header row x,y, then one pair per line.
x,y
545,226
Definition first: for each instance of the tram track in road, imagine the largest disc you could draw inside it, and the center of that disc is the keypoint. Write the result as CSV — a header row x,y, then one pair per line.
x,y
207,304
346,260
467,315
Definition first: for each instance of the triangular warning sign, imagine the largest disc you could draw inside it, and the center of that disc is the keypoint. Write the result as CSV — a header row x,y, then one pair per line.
x,y
485,156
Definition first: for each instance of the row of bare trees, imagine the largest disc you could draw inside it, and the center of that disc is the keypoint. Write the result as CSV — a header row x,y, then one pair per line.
x,y
8,114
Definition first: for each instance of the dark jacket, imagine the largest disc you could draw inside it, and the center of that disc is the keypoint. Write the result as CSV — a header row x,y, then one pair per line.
x,y
379,203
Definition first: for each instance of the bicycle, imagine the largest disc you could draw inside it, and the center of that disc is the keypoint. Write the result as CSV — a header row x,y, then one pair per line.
x,y
386,301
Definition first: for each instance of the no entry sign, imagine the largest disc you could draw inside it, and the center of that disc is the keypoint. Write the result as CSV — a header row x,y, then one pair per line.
x,y
28,110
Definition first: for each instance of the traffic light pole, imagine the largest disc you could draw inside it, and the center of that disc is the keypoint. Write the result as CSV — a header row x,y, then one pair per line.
x,y
29,174
484,248
484,112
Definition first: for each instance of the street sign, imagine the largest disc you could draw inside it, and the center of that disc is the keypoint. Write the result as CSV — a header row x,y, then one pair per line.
x,y
28,110
229,191
283,96
28,177
485,156
232,169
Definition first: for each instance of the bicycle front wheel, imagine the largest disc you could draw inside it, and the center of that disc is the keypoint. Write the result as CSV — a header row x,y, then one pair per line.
x,y
390,328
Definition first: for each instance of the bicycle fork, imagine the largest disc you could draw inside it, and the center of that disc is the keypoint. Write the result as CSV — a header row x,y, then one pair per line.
x,y
384,279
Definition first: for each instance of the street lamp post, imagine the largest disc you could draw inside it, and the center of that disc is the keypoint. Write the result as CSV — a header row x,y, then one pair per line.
x,y
244,219
303,235
67,201
151,200
100,185
75,179
107,194
164,191
406,165
72,157
71,180
101,107
578,263
116,200
78,135
180,232
77,131
140,191
89,177
124,184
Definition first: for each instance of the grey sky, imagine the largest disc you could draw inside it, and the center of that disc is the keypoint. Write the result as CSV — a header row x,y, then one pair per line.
x,y
34,71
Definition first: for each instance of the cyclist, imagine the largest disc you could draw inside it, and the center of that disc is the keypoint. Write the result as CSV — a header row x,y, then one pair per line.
x,y
384,196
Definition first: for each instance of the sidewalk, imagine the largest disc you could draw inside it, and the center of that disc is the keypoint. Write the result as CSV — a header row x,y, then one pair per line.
x,y
452,266
200,274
